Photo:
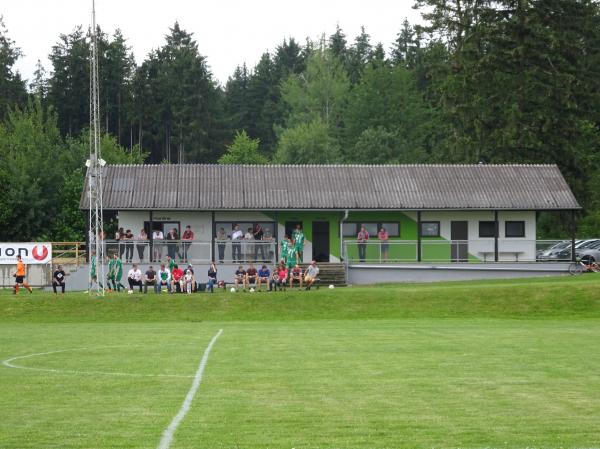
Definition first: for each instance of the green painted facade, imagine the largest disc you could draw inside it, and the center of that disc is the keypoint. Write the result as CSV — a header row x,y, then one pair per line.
x,y
434,249
308,217
408,231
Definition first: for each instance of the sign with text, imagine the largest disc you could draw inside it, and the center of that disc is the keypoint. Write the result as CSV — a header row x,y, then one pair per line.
x,y
32,253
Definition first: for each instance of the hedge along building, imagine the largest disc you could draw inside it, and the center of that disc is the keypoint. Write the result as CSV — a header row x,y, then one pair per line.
x,y
433,213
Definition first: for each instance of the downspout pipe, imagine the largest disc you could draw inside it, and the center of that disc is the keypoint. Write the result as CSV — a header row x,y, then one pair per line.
x,y
344,218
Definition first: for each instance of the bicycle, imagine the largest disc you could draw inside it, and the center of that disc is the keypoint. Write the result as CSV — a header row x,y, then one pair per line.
x,y
581,265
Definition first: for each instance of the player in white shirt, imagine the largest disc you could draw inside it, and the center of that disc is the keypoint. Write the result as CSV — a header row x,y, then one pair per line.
x,y
134,277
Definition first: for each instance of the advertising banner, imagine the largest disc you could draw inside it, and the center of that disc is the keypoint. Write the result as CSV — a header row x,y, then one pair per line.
x,y
32,253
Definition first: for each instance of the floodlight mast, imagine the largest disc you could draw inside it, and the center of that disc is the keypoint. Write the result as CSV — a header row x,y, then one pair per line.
x,y
95,164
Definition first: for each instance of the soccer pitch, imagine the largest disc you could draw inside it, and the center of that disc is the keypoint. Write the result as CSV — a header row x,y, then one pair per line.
x,y
497,364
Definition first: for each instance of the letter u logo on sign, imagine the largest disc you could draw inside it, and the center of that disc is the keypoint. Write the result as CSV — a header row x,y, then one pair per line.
x,y
39,252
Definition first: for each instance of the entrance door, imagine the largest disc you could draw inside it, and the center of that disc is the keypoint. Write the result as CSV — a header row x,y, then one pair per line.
x,y
160,249
320,241
459,234
290,227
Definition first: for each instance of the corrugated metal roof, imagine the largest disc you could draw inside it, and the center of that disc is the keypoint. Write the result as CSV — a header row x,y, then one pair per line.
x,y
284,187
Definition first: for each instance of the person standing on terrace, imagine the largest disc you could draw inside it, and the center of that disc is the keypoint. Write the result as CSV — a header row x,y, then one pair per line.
x,y
384,247
361,239
187,237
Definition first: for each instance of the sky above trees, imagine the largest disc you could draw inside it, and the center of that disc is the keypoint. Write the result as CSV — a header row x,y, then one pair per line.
x,y
228,33
479,81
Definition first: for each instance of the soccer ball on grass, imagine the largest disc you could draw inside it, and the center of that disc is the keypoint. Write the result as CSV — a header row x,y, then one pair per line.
x,y
331,286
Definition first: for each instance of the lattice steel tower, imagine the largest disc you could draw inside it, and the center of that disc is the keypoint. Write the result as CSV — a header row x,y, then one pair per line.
x,y
94,166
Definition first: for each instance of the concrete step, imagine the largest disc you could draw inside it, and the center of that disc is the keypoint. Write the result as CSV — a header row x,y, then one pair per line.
x,y
330,273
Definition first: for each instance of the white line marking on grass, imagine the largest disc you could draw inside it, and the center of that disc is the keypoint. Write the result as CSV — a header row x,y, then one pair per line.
x,y
169,432
8,363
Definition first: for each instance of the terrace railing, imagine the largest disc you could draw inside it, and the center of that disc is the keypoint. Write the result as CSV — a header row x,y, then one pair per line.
x,y
193,251
245,251
68,252
446,251
145,251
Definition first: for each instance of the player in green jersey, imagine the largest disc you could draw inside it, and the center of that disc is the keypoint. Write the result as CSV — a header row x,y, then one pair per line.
x,y
299,242
115,273
283,245
170,263
292,256
93,274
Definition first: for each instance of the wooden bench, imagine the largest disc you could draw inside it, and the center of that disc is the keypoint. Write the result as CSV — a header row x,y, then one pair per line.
x,y
515,254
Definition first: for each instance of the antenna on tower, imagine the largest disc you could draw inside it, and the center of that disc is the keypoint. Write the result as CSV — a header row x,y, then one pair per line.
x,y
94,165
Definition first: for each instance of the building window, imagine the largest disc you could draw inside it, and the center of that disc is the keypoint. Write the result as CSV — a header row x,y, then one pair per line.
x,y
487,229
393,229
228,226
351,229
430,229
514,229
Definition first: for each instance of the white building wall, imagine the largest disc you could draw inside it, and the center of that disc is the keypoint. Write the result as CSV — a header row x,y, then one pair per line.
x,y
242,216
509,249
131,219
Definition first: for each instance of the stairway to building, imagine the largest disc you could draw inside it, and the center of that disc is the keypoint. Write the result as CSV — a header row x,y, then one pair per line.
x,y
330,273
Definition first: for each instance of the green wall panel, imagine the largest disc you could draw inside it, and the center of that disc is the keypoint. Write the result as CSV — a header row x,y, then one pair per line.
x,y
307,218
408,226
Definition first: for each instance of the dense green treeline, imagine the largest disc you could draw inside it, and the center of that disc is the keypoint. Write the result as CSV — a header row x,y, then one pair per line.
x,y
507,81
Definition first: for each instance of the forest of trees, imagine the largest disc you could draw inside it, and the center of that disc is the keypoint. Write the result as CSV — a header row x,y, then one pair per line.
x,y
506,81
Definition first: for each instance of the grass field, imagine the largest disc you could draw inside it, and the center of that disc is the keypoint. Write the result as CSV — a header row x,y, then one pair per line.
x,y
508,364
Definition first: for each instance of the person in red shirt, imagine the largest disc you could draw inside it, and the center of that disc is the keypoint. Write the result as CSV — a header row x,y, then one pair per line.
x,y
279,278
187,237
19,276
176,277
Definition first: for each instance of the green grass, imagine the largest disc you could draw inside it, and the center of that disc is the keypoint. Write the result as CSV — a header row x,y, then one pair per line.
x,y
508,364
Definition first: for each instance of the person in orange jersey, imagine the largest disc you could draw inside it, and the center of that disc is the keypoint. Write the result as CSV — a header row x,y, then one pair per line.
x,y
20,277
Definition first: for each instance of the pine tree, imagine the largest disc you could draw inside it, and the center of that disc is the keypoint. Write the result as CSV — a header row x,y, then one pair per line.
x,y
12,87
237,110
337,44
116,67
406,48
358,56
39,86
69,84
177,104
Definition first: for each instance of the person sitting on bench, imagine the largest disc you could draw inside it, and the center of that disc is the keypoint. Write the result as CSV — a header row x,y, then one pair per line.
x,y
240,277
58,280
312,272
177,279
296,276
212,277
263,276
150,279
134,277
279,278
189,282
164,278
251,275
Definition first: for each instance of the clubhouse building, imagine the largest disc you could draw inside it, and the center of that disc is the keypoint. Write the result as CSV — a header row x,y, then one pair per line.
x,y
436,216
